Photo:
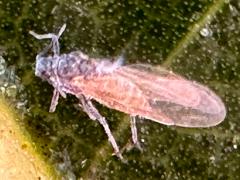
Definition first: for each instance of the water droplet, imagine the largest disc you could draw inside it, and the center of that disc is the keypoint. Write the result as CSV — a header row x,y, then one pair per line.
x,y
206,32
235,146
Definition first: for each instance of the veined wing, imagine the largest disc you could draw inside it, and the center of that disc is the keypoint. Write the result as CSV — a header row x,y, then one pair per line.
x,y
187,103
156,94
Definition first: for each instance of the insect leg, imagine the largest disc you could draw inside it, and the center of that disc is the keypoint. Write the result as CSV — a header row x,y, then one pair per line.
x,y
134,132
86,109
95,115
54,101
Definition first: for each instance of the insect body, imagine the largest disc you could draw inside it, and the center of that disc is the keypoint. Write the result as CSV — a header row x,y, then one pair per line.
x,y
138,90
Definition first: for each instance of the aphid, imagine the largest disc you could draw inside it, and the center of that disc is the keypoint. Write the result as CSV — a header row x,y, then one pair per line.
x,y
138,89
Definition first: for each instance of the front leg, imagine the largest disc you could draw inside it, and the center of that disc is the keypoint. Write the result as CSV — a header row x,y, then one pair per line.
x,y
93,113
54,101
55,98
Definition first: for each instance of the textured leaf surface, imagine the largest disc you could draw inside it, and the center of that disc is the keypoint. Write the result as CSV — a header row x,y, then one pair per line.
x,y
196,39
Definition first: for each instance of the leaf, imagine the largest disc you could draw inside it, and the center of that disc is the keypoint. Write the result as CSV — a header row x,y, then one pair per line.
x,y
19,159
196,39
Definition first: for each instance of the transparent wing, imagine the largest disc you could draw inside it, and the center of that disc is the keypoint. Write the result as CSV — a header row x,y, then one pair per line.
x,y
154,93
185,102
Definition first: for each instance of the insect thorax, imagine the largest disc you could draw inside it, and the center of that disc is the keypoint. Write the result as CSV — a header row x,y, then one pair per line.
x,y
74,64
64,66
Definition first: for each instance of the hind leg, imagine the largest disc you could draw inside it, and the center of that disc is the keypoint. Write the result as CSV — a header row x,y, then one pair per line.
x,y
134,132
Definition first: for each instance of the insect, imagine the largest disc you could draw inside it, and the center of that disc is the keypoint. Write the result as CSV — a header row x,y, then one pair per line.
x,y
138,89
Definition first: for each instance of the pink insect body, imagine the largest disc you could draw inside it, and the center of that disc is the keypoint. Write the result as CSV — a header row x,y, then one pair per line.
x,y
156,94
138,90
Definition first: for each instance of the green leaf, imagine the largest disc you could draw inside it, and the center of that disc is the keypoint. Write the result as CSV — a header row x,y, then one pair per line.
x,y
196,39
